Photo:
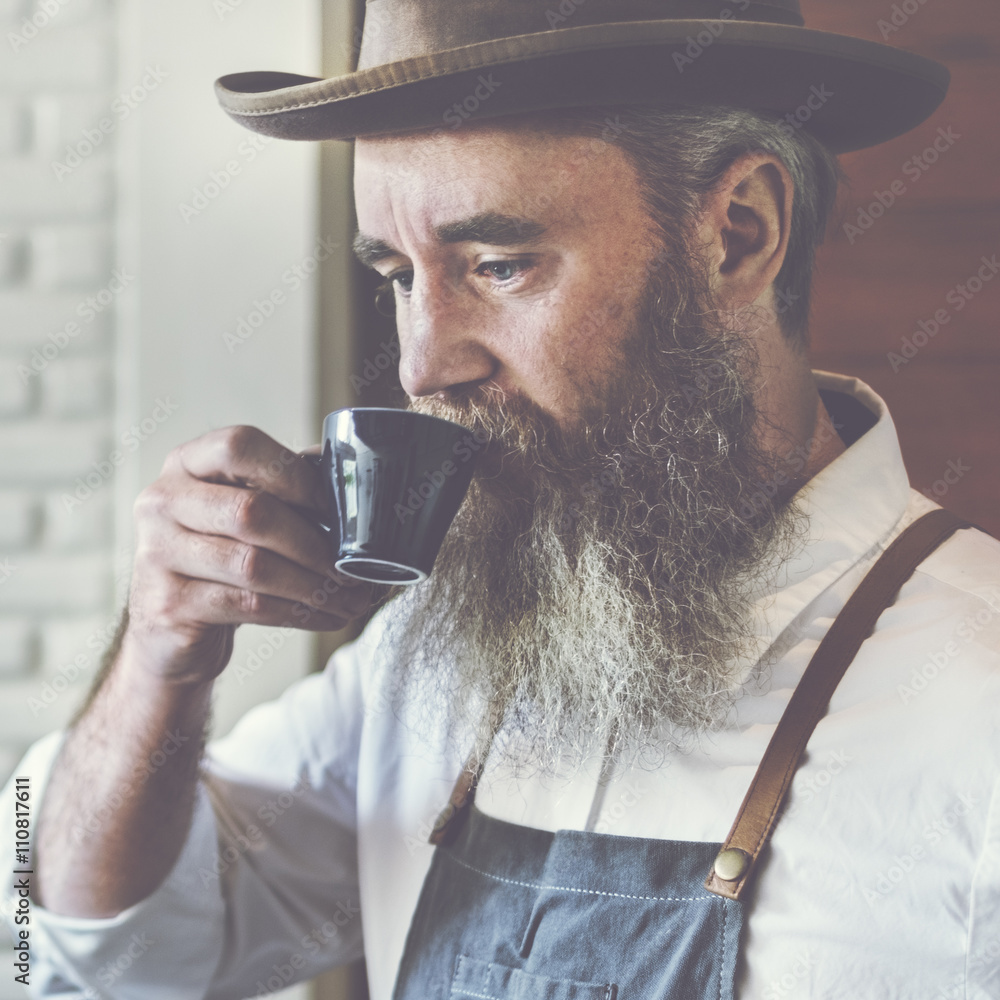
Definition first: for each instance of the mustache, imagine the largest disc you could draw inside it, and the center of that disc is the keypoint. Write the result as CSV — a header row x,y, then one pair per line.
x,y
512,430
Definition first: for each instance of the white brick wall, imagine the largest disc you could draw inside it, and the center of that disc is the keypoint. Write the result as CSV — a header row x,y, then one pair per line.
x,y
110,301
56,385
56,363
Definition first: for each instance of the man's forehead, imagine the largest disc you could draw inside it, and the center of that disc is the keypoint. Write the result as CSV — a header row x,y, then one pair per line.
x,y
495,177
412,153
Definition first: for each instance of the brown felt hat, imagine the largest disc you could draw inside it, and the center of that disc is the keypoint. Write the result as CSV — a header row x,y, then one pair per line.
x,y
437,63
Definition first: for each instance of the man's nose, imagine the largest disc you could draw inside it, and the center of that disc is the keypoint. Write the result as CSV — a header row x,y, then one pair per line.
x,y
442,344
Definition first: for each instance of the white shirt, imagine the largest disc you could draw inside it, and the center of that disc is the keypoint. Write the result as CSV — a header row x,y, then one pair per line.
x,y
308,845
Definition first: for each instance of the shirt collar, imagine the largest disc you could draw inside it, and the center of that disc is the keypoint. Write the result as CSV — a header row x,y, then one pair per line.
x,y
852,507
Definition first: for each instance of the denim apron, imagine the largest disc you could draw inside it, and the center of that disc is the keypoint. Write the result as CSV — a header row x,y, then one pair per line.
x,y
513,913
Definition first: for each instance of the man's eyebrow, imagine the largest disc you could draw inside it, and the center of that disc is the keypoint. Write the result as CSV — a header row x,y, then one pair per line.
x,y
488,227
370,250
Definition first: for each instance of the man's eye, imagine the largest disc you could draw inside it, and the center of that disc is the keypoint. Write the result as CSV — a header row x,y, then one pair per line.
x,y
403,280
503,270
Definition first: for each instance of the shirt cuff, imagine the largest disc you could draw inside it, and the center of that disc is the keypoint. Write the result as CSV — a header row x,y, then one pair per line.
x,y
166,946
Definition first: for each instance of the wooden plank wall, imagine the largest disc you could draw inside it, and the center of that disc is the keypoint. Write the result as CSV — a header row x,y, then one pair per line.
x,y
872,294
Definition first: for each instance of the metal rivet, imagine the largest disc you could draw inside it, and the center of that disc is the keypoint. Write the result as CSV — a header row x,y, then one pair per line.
x,y
731,864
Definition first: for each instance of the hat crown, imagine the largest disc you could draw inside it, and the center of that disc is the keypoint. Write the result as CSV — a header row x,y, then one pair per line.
x,y
403,29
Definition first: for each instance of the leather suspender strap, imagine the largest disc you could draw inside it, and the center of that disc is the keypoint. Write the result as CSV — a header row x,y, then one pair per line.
x,y
456,810
758,814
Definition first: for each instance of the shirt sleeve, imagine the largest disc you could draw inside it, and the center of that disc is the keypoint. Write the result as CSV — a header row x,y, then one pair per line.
x,y
265,891
983,960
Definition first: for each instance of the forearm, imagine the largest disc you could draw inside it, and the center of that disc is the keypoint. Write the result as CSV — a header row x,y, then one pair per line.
x,y
118,804
225,536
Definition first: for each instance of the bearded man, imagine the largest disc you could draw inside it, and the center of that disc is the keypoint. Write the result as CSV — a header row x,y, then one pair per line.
x,y
605,276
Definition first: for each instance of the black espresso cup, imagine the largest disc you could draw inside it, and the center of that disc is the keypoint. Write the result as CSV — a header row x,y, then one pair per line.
x,y
394,481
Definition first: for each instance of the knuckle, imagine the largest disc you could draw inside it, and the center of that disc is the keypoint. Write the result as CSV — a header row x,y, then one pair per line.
x,y
249,563
238,441
250,514
251,604
150,502
174,460
145,555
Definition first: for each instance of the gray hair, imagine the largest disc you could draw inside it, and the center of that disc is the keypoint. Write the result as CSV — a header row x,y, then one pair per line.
x,y
682,152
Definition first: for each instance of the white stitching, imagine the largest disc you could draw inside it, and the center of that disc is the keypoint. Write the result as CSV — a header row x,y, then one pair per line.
x,y
467,993
722,963
589,892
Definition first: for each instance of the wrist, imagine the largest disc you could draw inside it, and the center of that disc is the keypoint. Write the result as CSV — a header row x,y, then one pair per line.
x,y
154,673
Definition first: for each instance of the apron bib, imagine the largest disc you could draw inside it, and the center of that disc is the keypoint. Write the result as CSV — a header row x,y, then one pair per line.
x,y
509,912
512,913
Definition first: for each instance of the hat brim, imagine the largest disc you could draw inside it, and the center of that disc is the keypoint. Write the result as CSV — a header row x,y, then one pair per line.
x,y
848,92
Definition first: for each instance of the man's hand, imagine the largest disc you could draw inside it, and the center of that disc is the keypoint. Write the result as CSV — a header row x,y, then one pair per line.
x,y
228,535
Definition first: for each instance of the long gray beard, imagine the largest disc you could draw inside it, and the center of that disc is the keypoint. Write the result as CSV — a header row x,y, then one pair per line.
x,y
592,596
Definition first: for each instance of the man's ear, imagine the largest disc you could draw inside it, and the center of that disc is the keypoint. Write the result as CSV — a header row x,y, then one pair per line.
x,y
743,229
